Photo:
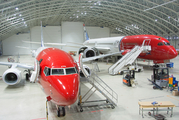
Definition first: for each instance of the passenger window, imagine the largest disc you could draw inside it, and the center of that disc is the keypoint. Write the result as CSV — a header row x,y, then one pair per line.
x,y
70,71
57,72
160,44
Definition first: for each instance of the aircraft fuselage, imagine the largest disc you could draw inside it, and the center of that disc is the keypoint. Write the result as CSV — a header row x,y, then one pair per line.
x,y
160,47
59,76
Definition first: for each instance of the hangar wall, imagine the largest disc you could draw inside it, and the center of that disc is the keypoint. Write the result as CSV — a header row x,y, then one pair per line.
x,y
9,44
98,32
51,34
72,32
68,32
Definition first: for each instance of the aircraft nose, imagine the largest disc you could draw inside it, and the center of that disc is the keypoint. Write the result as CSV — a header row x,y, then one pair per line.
x,y
69,89
172,53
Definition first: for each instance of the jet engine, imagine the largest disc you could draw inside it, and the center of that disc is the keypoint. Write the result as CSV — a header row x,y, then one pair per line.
x,y
89,52
12,76
87,69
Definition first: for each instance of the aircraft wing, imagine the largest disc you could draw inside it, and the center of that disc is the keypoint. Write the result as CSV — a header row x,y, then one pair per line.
x,y
103,49
15,65
23,47
100,56
58,44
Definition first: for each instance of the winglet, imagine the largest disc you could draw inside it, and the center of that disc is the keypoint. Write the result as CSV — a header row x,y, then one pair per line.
x,y
85,33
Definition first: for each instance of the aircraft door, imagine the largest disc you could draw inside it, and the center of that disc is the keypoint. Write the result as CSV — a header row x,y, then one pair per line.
x,y
116,44
36,71
146,42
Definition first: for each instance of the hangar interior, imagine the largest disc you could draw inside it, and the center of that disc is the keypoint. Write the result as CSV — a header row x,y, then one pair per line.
x,y
62,22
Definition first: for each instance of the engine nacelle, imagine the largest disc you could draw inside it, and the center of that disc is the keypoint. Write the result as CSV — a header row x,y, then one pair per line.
x,y
87,69
89,52
82,49
12,76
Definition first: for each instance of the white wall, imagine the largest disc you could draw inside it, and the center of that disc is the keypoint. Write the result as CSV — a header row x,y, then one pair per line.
x,y
51,34
9,45
116,35
97,32
72,32
68,32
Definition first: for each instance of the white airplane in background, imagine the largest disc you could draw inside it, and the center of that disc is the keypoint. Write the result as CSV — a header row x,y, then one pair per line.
x,y
161,49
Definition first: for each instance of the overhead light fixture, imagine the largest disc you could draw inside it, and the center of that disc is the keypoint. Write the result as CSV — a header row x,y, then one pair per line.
x,y
17,8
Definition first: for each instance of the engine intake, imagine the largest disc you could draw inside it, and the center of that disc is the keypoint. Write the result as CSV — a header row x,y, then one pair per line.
x,y
12,76
88,52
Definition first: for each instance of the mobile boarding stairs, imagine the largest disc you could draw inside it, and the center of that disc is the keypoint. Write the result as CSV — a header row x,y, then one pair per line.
x,y
129,57
97,84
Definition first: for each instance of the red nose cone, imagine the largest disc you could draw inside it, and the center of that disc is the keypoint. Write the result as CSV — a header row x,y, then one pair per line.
x,y
67,88
172,53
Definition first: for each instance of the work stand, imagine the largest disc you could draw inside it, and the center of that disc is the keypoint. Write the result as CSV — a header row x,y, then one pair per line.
x,y
97,84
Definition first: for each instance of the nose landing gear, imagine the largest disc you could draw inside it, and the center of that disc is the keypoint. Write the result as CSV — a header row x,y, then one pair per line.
x,y
61,111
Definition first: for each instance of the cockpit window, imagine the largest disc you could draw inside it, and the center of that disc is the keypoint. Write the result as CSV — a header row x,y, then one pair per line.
x,y
57,71
63,71
160,43
47,71
70,70
166,43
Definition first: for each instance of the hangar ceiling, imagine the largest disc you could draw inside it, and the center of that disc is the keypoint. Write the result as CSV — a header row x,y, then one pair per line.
x,y
127,17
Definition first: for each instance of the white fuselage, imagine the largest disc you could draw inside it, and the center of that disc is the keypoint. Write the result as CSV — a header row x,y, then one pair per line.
x,y
105,45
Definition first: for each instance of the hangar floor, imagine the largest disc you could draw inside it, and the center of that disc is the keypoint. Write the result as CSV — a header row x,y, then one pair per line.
x,y
27,101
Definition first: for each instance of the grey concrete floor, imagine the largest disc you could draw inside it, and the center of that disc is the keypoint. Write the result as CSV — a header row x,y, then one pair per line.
x,y
27,101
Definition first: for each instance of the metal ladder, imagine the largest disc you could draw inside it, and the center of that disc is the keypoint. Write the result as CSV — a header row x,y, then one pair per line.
x,y
129,57
103,88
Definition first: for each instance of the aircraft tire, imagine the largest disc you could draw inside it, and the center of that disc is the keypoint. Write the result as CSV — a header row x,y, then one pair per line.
x,y
112,107
63,110
58,112
27,76
81,109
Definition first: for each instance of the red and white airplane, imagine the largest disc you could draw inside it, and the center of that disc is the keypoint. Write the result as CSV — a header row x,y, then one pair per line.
x,y
55,70
161,50
58,75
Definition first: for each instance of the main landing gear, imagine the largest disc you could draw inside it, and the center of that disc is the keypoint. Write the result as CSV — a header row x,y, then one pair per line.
x,y
60,111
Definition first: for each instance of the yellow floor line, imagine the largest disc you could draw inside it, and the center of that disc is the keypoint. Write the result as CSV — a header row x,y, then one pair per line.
x,y
172,97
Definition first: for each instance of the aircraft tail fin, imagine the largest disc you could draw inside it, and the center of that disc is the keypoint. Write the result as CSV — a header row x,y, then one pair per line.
x,y
42,41
85,33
